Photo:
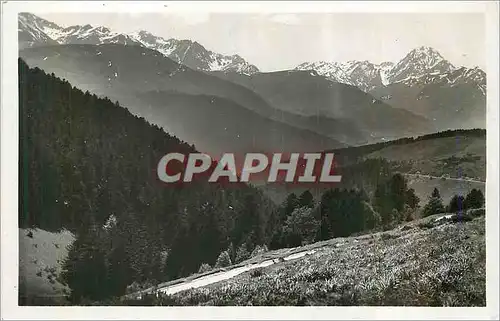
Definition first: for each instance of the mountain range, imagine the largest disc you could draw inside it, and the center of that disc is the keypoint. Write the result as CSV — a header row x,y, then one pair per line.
x,y
36,31
423,82
421,65
329,104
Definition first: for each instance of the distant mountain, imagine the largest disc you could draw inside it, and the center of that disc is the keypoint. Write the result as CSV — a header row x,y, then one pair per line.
x,y
193,54
308,94
368,76
363,74
417,63
214,114
423,82
454,99
35,31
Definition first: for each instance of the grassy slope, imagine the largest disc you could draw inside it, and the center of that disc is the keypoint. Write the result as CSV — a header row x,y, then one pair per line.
x,y
421,263
40,262
433,156
423,187
430,156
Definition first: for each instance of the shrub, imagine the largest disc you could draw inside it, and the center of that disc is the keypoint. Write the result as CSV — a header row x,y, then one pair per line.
x,y
259,249
204,268
257,272
476,212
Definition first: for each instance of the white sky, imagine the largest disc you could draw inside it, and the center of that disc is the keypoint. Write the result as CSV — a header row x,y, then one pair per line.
x,y
282,41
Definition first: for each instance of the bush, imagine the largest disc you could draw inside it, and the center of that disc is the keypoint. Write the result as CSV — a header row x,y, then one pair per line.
x,y
476,212
204,268
259,249
223,260
257,272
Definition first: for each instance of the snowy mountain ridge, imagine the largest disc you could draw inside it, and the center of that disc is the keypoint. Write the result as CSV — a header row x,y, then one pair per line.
x,y
35,31
421,66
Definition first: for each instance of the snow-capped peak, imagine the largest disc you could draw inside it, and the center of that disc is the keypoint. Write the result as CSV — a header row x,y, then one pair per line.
x,y
35,31
362,74
417,63
331,70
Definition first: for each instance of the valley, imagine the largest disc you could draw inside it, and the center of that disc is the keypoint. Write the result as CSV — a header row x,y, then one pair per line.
x,y
99,108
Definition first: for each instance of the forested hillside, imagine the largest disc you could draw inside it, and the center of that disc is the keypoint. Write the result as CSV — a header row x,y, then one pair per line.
x,y
89,166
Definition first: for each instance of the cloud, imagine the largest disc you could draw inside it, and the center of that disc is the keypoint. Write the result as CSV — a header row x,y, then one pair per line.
x,y
286,18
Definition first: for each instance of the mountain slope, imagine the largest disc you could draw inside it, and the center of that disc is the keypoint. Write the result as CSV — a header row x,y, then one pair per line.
x,y
35,31
130,73
415,264
423,82
193,54
309,94
455,99
220,125
87,165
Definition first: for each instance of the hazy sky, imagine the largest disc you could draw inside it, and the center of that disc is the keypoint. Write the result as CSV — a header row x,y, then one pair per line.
x,y
282,41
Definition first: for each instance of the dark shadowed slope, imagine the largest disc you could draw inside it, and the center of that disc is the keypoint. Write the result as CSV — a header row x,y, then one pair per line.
x,y
309,94
221,125
129,74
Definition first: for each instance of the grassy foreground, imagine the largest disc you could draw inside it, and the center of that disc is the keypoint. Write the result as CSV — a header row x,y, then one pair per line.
x,y
437,261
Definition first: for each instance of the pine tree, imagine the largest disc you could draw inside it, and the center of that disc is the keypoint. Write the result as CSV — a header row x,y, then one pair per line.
x,y
434,205
84,270
306,199
302,222
412,199
223,260
474,199
290,204
456,204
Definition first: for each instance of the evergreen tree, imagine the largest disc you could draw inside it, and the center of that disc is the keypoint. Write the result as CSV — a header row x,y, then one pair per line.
x,y
84,270
223,260
474,199
289,205
456,204
412,199
306,199
303,224
434,205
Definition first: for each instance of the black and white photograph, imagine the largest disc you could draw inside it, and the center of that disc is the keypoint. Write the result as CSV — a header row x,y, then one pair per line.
x,y
251,157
